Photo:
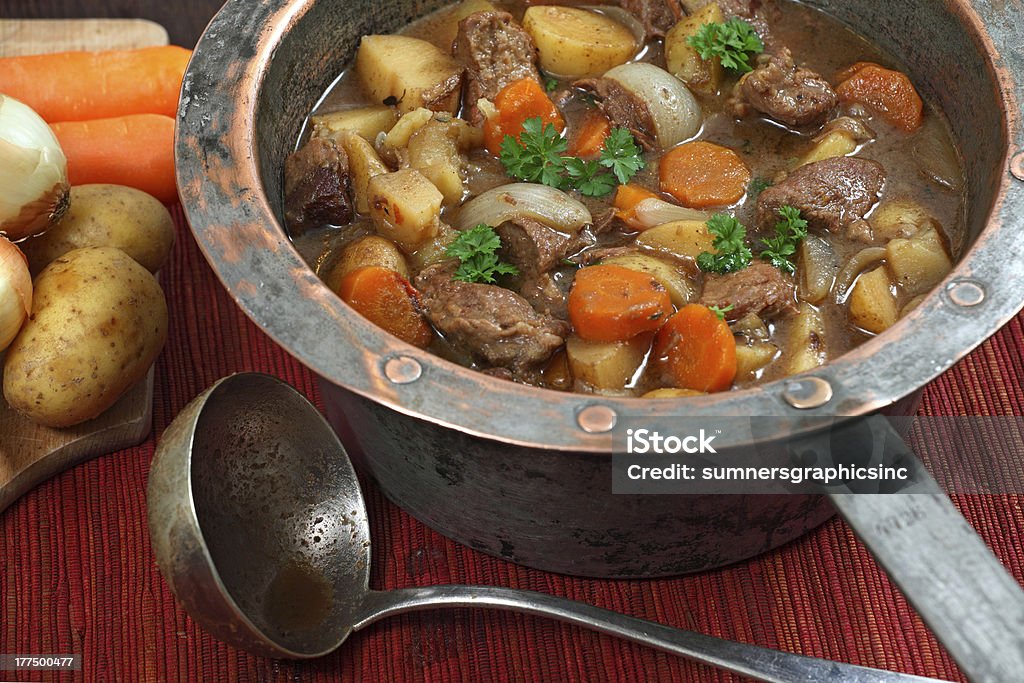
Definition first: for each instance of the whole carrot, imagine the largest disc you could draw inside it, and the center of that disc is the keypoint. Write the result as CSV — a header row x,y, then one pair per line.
x,y
78,86
136,150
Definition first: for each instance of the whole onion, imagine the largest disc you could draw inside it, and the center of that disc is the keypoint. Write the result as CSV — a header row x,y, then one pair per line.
x,y
15,291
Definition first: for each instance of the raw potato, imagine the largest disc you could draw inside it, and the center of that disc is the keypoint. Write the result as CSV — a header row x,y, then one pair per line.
x,y
679,238
872,302
363,164
606,366
411,71
368,122
918,263
672,278
99,320
805,348
405,207
433,151
702,76
899,218
838,143
107,216
366,251
577,43
750,359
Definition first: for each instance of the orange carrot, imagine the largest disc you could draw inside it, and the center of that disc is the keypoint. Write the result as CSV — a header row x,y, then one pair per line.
x,y
137,151
78,86
587,141
518,101
386,299
626,199
695,350
888,92
701,174
843,74
610,303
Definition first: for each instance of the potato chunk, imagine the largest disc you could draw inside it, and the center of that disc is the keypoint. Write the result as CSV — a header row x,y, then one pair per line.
x,y
837,143
433,151
405,207
899,218
872,303
702,76
606,366
805,348
412,72
368,122
363,164
577,43
679,238
918,263
366,251
750,359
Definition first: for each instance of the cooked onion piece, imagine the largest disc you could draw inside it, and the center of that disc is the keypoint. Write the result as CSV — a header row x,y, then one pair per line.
x,y
653,212
15,291
854,267
547,205
818,269
674,110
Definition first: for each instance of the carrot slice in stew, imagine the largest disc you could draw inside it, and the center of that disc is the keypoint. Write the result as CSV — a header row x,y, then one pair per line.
x,y
702,174
695,350
888,92
626,199
610,303
588,140
518,101
386,299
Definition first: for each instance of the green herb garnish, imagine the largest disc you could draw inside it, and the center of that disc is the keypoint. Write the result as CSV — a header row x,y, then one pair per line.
x,y
550,84
720,311
538,157
478,261
757,186
788,233
732,42
730,244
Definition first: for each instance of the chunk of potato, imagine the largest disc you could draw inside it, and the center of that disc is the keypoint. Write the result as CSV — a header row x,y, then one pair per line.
x,y
107,216
433,151
837,143
366,251
434,251
750,359
679,287
918,263
702,76
606,366
409,123
805,346
679,238
405,207
578,43
412,72
363,164
368,122
872,303
99,320
899,218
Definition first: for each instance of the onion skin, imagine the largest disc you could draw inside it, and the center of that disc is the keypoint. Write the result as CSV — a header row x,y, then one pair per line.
x,y
15,291
547,205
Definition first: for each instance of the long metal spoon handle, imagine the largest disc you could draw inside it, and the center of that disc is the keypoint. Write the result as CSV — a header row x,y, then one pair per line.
x,y
748,660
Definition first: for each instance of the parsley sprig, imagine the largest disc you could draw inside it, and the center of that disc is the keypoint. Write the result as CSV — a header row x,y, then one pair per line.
x,y
732,252
478,261
720,311
788,233
732,42
538,156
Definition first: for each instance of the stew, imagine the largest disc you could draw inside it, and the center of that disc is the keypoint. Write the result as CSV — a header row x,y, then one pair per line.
x,y
650,198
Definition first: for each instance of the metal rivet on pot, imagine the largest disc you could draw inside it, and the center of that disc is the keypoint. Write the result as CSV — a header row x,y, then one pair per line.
x,y
1017,166
596,419
807,392
965,293
402,369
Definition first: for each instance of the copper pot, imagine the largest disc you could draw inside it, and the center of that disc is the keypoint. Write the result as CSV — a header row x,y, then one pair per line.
x,y
524,473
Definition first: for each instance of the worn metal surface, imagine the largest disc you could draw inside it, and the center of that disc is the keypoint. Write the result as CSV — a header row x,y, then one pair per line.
x,y
259,69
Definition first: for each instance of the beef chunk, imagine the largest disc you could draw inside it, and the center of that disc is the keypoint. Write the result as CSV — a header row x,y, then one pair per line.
x,y
657,16
759,288
760,14
832,194
534,248
546,295
492,324
316,186
787,93
496,51
623,109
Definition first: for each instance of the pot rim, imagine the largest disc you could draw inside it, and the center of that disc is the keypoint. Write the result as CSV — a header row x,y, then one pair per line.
x,y
219,181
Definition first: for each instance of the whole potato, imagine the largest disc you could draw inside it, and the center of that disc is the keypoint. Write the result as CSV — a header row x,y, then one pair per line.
x,y
107,216
98,322
366,251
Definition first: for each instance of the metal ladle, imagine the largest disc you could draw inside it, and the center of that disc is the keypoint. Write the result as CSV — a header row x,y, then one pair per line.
x,y
260,528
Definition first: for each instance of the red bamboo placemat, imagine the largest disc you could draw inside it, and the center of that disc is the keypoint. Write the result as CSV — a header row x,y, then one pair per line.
x,y
77,573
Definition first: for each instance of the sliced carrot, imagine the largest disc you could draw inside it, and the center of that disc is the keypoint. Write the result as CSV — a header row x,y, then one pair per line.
x,y
78,86
627,197
588,140
702,174
386,299
695,350
518,101
610,303
137,151
888,92
852,69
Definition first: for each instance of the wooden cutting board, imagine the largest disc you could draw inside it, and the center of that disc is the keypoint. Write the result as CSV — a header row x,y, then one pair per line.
x,y
30,454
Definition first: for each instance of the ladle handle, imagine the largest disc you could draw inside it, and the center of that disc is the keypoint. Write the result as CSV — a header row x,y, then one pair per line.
x,y
748,660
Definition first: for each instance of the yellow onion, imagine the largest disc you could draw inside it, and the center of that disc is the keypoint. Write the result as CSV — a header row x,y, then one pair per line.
x,y
15,291
33,172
